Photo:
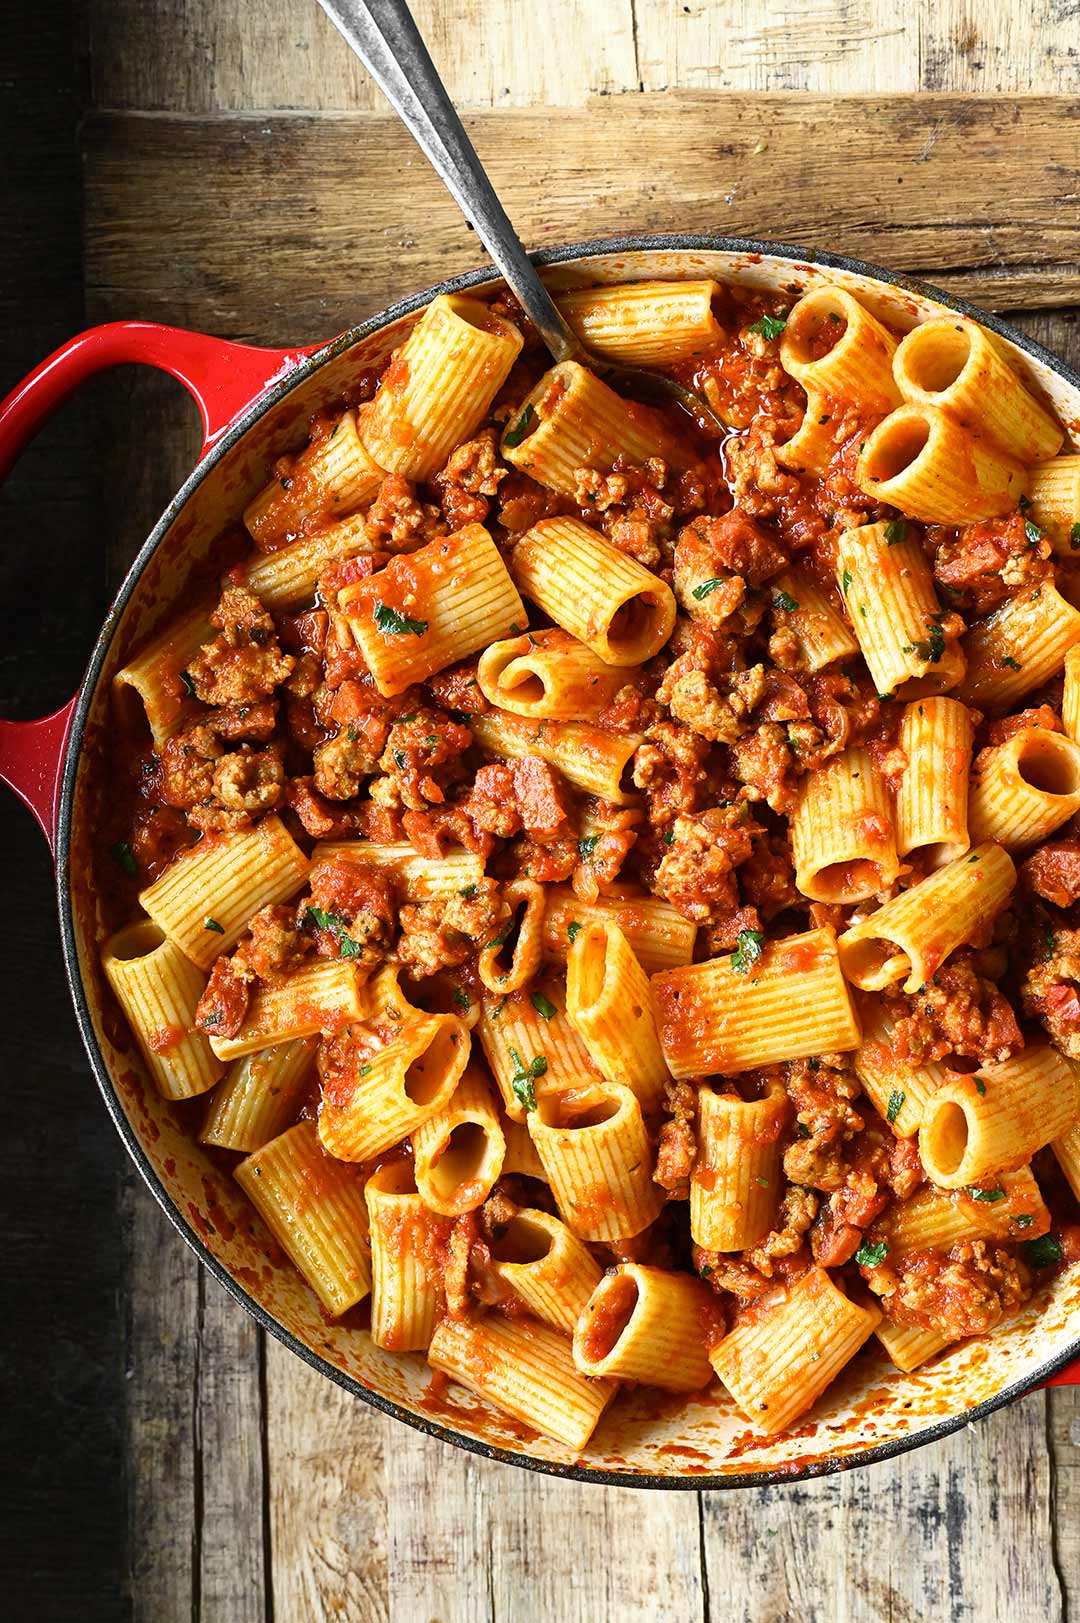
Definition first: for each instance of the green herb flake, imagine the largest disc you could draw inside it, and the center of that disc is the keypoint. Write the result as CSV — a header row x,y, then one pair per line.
x,y
1074,537
469,891
543,1006
211,1019
523,1081
749,948
514,436
1043,1252
669,837
393,624
784,600
588,845
322,920
212,924
187,684
1013,664
363,1070
705,1270
461,997
1024,1221
980,1087
573,930
503,936
706,588
802,1130
845,581
896,1104
1033,532
871,1256
124,857
764,1182
932,648
770,326
895,532
984,1194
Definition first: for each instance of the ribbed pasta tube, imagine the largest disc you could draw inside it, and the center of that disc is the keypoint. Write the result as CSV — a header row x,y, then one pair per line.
x,y
1070,697
405,1083
609,1006
995,1119
813,444
913,934
546,1266
512,959
317,999
525,1369
521,1156
205,898
331,478
932,801
408,1243
842,831
258,1098
571,420
647,1324
1025,788
834,346
735,1184
1018,647
735,1013
420,878
644,323
888,587
599,594
155,674
952,362
659,935
1054,498
314,1208
588,757
430,609
778,1360
286,579
598,1160
907,1345
531,1046
922,461
933,1219
898,1090
823,635
458,1152
1066,1150
548,675
437,389
158,989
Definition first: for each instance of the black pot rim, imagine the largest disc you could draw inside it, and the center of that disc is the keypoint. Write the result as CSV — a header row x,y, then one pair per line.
x,y
469,279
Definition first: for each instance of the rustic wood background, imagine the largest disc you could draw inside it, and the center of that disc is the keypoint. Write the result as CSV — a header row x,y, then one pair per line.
x,y
236,171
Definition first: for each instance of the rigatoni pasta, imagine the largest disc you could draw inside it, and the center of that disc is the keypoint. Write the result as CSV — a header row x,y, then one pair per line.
x,y
842,833
647,1324
997,1118
932,800
608,1004
158,989
644,323
549,675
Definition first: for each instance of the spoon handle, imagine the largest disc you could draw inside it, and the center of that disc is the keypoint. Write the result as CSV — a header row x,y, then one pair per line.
x,y
386,39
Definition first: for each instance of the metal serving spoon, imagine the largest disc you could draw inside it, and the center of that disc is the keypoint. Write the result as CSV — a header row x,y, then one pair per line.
x,y
387,41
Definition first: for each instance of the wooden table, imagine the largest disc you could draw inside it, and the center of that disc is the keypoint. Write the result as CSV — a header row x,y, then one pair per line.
x,y
239,173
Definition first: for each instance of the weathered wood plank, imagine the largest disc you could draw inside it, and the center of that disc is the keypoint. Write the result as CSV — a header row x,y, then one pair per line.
x,y
960,1532
297,231
204,56
474,1542
1063,1443
332,1468
230,1453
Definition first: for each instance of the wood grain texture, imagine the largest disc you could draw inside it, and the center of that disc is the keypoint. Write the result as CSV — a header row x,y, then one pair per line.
x,y
920,187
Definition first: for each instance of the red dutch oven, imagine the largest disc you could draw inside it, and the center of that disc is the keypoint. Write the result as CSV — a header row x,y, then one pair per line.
x,y
255,405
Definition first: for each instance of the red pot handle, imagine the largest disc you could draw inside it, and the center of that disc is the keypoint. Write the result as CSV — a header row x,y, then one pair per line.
x,y
223,380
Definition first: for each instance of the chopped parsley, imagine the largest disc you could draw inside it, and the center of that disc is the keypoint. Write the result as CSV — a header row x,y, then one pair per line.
x,y
503,936
523,1081
669,837
469,892
1013,664
393,624
980,1087
212,924
322,920
770,326
871,1256
1033,532
1024,1221
705,1270
764,1182
1074,537
363,1070
124,857
895,532
399,760
211,1019
573,929
187,684
588,845
515,435
784,600
929,650
896,1104
845,581
802,1129
461,997
543,1006
984,1194
707,587
749,948
1043,1252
